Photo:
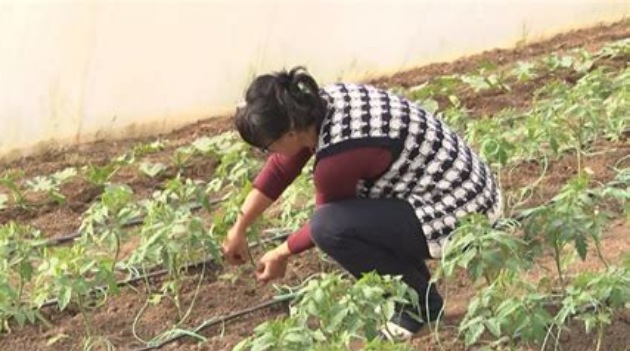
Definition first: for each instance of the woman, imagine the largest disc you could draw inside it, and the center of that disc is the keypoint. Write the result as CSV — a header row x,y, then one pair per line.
x,y
391,181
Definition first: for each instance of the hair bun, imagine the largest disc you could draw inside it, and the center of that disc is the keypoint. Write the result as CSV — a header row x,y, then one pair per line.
x,y
285,79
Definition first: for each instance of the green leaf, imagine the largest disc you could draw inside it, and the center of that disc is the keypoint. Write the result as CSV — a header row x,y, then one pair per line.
x,y
65,294
65,174
494,327
152,169
581,246
473,332
296,337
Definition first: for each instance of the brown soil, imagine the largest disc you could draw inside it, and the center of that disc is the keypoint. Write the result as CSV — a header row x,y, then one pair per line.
x,y
219,295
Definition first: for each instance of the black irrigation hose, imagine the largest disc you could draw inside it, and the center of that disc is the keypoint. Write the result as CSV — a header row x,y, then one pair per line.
x,y
222,319
133,222
160,272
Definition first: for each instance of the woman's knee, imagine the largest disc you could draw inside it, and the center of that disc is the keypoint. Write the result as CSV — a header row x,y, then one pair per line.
x,y
328,225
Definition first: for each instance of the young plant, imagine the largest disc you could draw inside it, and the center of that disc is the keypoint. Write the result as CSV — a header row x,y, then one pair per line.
x,y
21,249
332,313
181,157
617,49
10,180
524,71
484,81
593,297
99,176
183,191
508,309
103,222
71,274
51,184
484,250
173,237
456,116
142,149
572,216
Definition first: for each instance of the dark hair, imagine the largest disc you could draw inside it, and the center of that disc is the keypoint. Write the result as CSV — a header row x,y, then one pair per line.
x,y
277,103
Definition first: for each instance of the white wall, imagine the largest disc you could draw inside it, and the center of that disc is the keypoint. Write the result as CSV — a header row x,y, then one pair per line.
x,y
71,71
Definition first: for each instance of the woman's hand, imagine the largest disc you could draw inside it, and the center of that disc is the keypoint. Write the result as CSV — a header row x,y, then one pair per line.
x,y
234,247
273,264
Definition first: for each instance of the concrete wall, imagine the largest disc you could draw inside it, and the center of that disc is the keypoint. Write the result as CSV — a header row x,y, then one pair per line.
x,y
72,71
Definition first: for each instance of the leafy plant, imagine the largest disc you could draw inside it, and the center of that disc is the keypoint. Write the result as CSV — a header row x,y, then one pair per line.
x,y
572,216
437,86
51,184
172,236
21,249
10,180
103,222
593,297
524,71
456,116
181,157
142,149
483,249
508,307
71,274
480,82
620,48
332,313
99,176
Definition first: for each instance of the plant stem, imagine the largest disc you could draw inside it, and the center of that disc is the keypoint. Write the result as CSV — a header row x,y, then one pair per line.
x,y
20,290
600,254
86,320
600,336
117,247
557,253
192,303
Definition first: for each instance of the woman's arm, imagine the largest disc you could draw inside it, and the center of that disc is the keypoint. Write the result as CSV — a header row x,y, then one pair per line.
x,y
276,175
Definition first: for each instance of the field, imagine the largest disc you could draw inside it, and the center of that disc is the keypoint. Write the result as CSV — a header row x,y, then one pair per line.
x,y
552,118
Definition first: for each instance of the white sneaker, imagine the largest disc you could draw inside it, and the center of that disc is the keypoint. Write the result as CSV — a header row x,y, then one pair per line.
x,y
394,332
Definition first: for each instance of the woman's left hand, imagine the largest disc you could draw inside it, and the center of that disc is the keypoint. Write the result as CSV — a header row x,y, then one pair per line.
x,y
273,264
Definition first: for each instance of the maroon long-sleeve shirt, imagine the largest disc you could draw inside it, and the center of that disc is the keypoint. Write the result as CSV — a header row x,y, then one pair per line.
x,y
336,178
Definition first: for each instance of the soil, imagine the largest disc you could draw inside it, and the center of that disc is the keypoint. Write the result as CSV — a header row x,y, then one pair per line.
x,y
226,290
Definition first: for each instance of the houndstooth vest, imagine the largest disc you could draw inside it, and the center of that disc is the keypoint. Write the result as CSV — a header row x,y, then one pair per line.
x,y
432,169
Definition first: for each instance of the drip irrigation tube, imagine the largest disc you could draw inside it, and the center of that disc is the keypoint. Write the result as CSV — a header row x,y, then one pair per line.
x,y
160,272
222,319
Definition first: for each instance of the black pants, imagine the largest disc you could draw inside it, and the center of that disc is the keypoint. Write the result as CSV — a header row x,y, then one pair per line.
x,y
382,235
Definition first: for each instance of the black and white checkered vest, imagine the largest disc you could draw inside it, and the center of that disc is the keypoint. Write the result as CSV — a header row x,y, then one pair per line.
x,y
433,168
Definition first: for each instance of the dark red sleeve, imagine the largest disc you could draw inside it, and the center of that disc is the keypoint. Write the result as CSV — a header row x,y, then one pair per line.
x,y
279,172
336,178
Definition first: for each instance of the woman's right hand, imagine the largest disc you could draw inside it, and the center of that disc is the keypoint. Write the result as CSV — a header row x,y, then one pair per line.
x,y
234,247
